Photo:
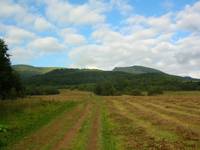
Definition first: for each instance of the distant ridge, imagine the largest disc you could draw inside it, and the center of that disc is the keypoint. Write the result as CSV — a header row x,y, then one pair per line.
x,y
122,78
29,71
137,70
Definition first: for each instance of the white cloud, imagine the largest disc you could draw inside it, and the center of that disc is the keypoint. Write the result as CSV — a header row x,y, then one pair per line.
x,y
46,44
36,48
67,13
162,23
11,10
16,36
123,6
71,36
42,24
189,53
22,16
189,18
8,9
22,55
116,49
105,35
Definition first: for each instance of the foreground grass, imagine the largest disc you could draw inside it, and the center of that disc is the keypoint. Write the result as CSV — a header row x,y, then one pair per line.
x,y
81,140
22,117
83,121
97,130
169,122
109,140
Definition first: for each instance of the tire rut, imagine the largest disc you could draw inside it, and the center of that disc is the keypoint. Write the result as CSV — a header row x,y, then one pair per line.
x,y
42,137
69,136
94,136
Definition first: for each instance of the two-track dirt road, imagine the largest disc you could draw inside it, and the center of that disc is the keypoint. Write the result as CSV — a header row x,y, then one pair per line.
x,y
64,131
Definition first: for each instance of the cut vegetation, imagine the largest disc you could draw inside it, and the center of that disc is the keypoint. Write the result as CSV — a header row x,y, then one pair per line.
x,y
83,121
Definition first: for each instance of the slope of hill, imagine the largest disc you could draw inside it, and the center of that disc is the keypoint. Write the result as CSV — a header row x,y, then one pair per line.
x,y
123,79
77,76
137,70
26,71
120,80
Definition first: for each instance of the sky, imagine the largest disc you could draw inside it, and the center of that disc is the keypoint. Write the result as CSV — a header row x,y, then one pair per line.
x,y
103,34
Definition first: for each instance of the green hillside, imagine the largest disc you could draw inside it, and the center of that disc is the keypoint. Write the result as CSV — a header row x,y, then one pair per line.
x,y
137,70
26,71
120,80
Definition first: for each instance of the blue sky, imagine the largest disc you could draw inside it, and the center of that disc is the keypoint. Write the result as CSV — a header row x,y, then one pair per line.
x,y
103,34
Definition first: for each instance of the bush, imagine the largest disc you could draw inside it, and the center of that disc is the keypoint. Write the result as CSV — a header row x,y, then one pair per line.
x,y
153,92
86,87
105,89
41,91
3,128
136,93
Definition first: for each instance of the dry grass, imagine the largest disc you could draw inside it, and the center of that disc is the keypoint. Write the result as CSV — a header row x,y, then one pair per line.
x,y
65,95
167,122
157,122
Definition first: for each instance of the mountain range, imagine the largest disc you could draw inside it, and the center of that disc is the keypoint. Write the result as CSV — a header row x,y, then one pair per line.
x,y
137,70
123,78
28,71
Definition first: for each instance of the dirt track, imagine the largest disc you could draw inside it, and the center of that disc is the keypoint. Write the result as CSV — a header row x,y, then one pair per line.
x,y
94,136
69,135
62,132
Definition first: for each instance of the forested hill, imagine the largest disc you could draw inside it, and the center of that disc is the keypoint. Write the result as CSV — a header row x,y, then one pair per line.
x,y
137,70
27,71
120,80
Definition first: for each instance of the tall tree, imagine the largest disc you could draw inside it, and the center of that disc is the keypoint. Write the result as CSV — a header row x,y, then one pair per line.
x,y
10,85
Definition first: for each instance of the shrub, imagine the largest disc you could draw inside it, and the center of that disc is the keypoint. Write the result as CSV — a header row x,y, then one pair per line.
x,y
155,91
3,128
136,93
105,89
41,91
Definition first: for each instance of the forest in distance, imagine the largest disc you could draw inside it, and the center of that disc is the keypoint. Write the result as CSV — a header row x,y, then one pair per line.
x,y
137,79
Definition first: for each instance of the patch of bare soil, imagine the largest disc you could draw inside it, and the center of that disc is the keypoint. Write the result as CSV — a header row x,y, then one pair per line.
x,y
68,137
94,136
49,132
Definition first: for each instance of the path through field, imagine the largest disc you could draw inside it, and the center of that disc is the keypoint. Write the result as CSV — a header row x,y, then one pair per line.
x,y
121,122
78,128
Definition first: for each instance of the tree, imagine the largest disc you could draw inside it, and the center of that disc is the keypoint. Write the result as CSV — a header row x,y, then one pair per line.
x,y
105,89
10,85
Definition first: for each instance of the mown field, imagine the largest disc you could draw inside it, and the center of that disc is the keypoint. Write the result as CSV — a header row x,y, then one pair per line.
x,y
75,120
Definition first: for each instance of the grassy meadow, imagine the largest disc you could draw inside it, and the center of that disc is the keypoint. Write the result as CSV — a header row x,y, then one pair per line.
x,y
76,120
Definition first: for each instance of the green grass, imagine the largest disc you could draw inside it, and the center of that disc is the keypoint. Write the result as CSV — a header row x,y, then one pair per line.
x,y
67,125
108,139
124,122
81,140
22,117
